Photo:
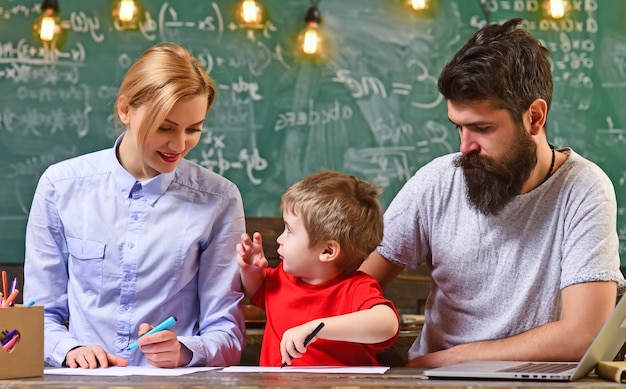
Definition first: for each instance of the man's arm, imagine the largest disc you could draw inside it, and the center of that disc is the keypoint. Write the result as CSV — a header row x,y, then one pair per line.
x,y
586,307
378,267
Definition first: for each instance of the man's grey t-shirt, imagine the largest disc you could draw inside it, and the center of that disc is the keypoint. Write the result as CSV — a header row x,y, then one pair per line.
x,y
498,276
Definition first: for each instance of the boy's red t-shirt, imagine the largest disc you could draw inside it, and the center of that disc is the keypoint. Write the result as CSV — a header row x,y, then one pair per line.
x,y
289,302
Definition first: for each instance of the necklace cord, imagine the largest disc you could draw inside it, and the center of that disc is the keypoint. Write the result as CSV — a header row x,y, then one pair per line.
x,y
551,164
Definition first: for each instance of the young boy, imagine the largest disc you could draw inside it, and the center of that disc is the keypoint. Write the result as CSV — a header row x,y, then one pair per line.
x,y
332,222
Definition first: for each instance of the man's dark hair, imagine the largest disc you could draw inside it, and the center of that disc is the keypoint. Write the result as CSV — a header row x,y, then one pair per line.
x,y
503,64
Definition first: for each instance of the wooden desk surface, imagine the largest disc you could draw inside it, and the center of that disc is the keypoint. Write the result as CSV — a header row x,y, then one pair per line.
x,y
393,378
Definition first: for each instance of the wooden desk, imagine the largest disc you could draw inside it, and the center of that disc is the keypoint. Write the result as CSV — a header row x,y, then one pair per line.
x,y
393,378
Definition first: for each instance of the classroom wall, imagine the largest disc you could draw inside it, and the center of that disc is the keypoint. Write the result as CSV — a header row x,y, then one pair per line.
x,y
369,108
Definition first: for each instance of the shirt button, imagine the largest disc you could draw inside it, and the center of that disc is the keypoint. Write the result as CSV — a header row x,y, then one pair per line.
x,y
131,245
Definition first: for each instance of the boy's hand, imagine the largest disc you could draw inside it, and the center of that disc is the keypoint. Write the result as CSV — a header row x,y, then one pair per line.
x,y
250,254
292,344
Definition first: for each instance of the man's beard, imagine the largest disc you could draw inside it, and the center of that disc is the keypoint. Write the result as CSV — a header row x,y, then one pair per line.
x,y
491,185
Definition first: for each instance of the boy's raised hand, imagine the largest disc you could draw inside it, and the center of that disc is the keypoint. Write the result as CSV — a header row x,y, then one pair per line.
x,y
250,254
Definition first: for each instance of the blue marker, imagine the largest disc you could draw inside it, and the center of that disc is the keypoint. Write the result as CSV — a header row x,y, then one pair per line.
x,y
170,321
30,303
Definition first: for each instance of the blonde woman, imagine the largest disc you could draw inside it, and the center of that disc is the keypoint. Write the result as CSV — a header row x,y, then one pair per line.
x,y
120,239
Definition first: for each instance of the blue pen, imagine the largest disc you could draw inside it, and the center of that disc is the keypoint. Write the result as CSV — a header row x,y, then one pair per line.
x,y
170,321
30,303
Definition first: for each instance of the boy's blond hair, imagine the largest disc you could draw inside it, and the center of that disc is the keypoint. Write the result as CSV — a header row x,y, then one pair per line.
x,y
341,207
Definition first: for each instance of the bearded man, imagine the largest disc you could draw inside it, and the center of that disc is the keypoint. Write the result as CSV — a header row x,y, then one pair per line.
x,y
520,239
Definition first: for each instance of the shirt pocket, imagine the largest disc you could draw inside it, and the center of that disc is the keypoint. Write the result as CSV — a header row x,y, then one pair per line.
x,y
86,263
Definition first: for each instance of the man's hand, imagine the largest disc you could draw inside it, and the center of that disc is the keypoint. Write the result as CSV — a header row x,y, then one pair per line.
x,y
436,359
91,357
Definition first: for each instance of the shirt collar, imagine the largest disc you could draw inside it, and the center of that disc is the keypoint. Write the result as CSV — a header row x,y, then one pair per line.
x,y
153,188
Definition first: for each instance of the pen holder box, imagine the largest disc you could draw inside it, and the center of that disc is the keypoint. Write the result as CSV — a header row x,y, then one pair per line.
x,y
25,357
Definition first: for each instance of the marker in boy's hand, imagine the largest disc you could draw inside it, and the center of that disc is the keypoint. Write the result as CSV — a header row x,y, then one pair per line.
x,y
307,340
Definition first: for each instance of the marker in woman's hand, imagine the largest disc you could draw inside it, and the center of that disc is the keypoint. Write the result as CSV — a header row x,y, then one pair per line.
x,y
170,321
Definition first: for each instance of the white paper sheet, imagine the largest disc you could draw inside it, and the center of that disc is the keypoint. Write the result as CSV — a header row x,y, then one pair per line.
x,y
126,371
307,369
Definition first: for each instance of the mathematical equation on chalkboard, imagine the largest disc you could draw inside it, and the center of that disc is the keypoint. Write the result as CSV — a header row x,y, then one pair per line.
x,y
44,76
372,109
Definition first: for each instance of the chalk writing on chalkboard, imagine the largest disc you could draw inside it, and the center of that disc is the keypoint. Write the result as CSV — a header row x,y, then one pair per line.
x,y
371,108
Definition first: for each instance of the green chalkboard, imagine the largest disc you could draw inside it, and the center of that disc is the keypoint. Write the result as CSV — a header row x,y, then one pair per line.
x,y
371,108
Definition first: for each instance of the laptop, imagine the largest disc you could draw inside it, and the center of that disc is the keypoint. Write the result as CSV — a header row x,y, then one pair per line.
x,y
604,347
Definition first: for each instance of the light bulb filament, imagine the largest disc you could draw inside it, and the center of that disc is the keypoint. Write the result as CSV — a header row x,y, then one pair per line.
x,y
126,10
418,4
48,28
557,8
310,41
250,12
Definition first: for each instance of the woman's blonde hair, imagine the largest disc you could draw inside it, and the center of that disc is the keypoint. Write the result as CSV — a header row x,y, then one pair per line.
x,y
163,75
341,207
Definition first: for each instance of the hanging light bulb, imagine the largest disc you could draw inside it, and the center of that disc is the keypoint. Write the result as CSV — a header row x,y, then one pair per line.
x,y
418,5
250,14
47,27
310,39
557,8
126,13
